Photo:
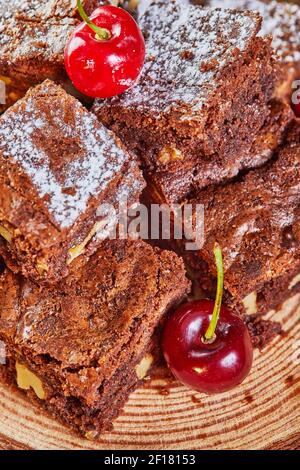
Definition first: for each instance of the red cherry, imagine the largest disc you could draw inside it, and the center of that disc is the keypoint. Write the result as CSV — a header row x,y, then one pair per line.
x,y
105,54
207,368
207,346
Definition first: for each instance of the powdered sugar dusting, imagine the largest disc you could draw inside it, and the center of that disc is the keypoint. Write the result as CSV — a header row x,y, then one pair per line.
x,y
22,40
32,8
88,172
281,20
187,46
28,27
39,9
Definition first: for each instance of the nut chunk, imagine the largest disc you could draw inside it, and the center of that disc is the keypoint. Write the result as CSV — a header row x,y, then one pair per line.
x,y
57,166
81,347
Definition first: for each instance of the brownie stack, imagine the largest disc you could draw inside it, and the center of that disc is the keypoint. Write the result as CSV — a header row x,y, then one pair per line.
x,y
78,311
78,314
209,122
212,124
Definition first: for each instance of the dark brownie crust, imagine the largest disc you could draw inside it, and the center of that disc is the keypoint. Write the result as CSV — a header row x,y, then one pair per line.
x,y
84,337
256,221
195,104
57,166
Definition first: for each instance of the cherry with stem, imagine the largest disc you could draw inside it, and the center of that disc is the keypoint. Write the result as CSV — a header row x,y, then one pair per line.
x,y
206,345
105,55
101,34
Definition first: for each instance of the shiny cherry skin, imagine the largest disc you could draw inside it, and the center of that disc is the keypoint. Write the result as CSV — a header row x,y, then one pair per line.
x,y
296,109
102,68
207,368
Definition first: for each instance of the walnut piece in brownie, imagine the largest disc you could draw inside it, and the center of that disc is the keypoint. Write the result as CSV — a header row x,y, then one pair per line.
x,y
203,93
58,164
80,347
256,220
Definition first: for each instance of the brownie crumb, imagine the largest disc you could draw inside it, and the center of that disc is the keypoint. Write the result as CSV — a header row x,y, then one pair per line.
x,y
71,191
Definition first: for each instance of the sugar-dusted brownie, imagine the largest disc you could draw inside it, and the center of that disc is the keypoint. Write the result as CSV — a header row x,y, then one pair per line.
x,y
34,10
169,185
282,21
33,51
204,89
81,347
33,35
58,165
256,220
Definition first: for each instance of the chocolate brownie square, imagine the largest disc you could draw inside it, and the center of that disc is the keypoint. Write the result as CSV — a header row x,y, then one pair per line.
x,y
34,10
33,51
281,20
58,165
203,94
8,94
169,185
81,347
33,35
256,220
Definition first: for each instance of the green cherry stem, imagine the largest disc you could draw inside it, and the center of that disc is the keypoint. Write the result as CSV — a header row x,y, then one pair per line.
x,y
102,34
210,336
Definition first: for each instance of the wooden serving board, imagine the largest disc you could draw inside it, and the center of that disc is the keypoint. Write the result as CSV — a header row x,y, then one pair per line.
x,y
263,413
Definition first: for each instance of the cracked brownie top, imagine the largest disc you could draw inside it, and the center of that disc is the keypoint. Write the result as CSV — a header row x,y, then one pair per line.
x,y
256,220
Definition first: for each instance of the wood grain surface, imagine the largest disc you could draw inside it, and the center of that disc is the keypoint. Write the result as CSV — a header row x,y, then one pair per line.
x,y
263,413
